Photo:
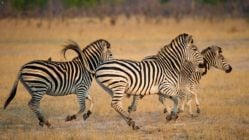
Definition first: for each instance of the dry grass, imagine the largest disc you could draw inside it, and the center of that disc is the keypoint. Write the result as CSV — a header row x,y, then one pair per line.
x,y
224,97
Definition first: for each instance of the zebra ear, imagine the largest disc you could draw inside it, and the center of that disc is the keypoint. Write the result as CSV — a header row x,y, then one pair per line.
x,y
220,50
210,49
215,49
190,40
108,45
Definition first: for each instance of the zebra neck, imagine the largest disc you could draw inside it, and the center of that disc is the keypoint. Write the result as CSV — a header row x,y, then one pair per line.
x,y
188,68
207,67
173,64
93,64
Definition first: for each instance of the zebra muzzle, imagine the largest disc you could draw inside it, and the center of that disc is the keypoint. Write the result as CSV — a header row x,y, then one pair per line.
x,y
229,69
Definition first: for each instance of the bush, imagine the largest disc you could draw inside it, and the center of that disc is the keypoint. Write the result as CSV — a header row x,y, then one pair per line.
x,y
22,5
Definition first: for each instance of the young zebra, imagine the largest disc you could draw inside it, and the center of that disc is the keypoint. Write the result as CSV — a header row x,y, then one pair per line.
x,y
42,77
119,77
212,58
190,79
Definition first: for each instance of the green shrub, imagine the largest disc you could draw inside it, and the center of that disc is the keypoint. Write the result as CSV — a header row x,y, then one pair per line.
x,y
22,5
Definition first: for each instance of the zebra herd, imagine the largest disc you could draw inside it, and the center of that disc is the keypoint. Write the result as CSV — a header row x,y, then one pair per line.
x,y
173,73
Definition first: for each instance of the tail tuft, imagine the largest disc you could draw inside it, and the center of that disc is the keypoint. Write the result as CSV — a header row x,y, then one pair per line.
x,y
12,93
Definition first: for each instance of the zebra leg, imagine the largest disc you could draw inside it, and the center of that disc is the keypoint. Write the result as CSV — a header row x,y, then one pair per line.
x,y
89,112
198,110
182,104
81,96
133,106
173,114
34,105
169,91
116,104
184,96
162,100
197,103
190,108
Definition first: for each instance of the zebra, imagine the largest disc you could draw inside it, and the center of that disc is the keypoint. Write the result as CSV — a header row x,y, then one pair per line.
x,y
213,57
41,77
119,77
190,79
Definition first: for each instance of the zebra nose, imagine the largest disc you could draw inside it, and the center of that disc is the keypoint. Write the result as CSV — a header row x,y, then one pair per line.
x,y
229,69
201,65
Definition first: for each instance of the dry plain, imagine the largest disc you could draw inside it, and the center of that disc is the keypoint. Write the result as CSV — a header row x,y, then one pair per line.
x,y
224,97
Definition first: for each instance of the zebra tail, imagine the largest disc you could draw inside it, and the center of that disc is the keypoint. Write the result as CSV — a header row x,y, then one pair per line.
x,y
13,92
74,46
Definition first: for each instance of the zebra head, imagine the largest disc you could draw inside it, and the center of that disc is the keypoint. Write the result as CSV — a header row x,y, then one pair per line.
x,y
180,50
193,54
213,57
106,53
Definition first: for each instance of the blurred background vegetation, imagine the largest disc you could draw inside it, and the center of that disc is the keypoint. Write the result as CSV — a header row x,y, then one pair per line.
x,y
112,8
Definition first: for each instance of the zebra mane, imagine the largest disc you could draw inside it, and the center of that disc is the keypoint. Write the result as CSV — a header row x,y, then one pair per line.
x,y
212,49
151,57
180,41
97,45
206,50
74,46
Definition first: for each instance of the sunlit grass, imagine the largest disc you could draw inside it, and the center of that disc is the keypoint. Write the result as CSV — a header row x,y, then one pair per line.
x,y
223,97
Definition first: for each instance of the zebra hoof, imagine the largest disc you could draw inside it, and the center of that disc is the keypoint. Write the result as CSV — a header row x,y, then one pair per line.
x,y
133,124
131,109
135,127
165,110
198,110
168,117
86,115
69,117
130,122
48,124
41,124
173,115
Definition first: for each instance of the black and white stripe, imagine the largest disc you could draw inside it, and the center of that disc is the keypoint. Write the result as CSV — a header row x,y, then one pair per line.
x,y
189,79
42,77
159,76
213,57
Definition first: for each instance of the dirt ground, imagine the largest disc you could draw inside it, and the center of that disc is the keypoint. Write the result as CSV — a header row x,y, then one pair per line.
x,y
224,97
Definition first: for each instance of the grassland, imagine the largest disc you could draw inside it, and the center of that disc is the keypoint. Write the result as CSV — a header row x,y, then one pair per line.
x,y
224,97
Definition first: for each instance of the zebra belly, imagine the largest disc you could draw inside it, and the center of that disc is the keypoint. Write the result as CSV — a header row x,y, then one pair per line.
x,y
143,91
60,93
